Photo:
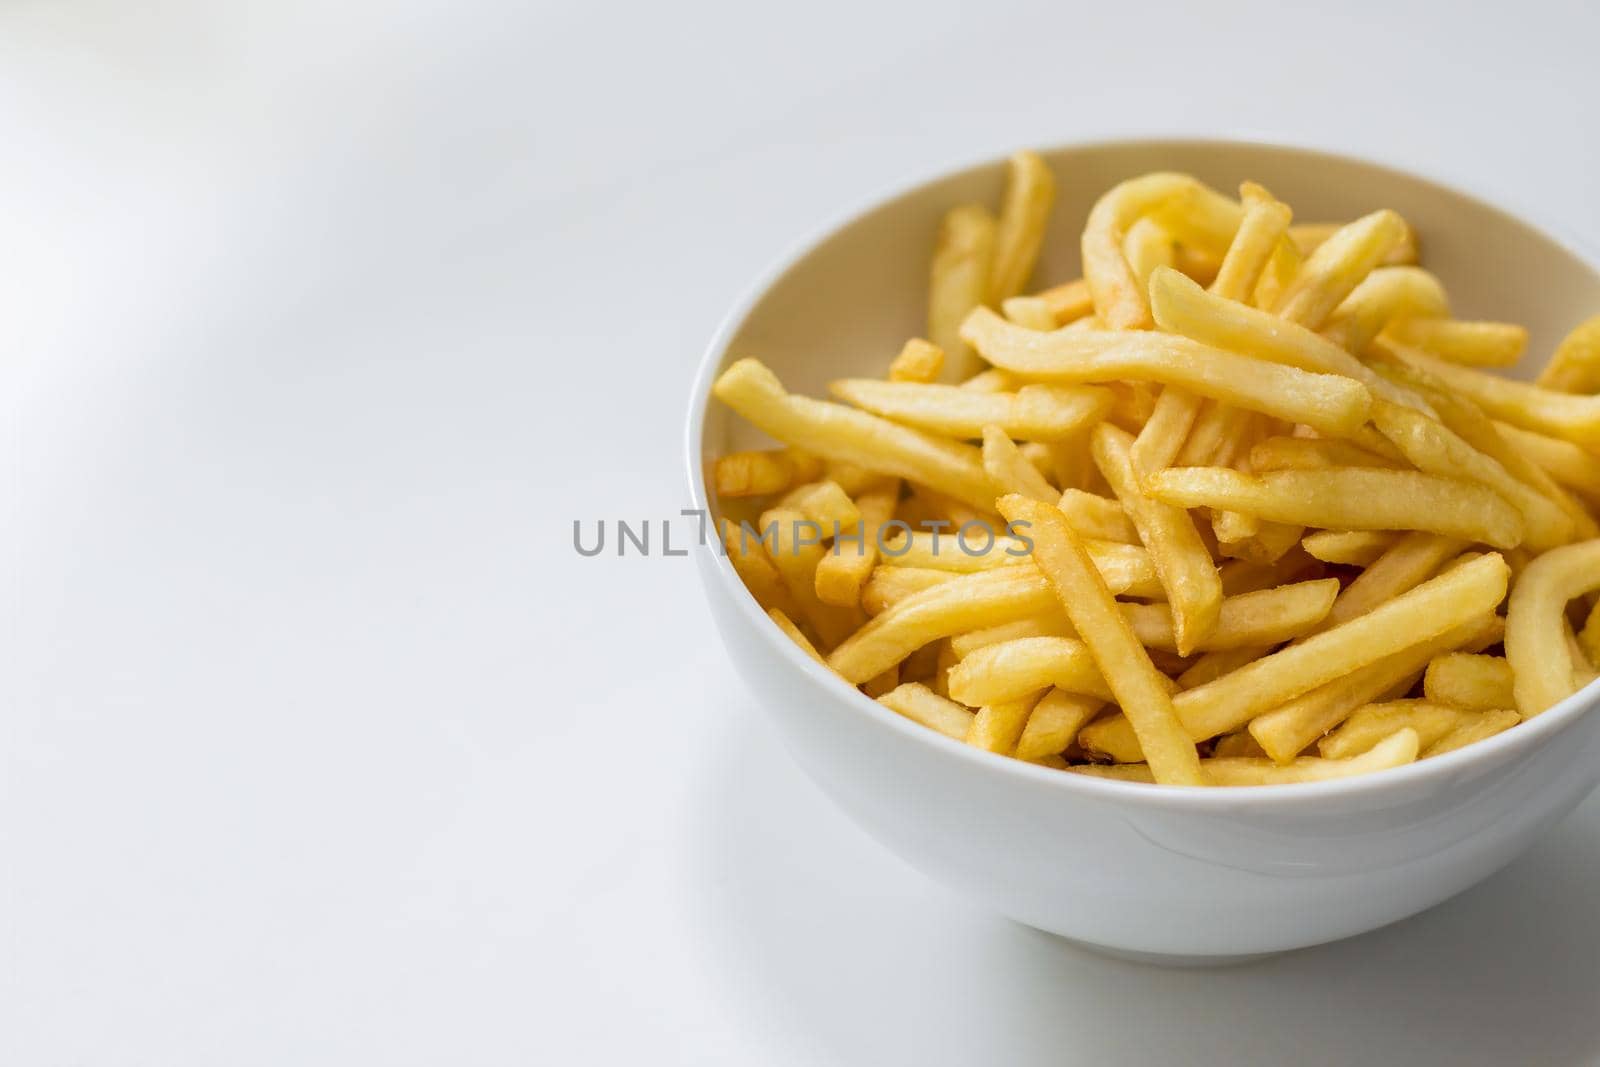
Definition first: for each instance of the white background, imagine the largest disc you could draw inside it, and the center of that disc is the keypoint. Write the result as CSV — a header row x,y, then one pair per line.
x,y
322,322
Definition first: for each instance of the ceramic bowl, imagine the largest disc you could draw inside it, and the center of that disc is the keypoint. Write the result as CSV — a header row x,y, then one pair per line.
x,y
1171,874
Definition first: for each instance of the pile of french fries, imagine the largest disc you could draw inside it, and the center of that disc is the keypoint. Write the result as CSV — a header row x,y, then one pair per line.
x,y
1240,506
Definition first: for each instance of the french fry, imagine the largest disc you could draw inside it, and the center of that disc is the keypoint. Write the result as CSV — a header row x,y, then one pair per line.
x,y
1308,235
1397,750
1569,464
1350,498
761,472
1055,722
1013,669
1369,725
1355,548
1029,312
1069,302
1118,297
993,380
1146,247
1163,434
880,684
1430,609
958,282
1476,344
1265,617
1181,559
921,665
1182,307
922,705
1049,624
1408,562
794,545
744,550
1238,744
1477,727
1387,294
998,727
1030,193
1435,449
1214,665
1141,691
1313,453
1575,365
1536,647
1337,266
1036,412
1260,230
952,551
1576,418
843,572
918,361
1010,471
825,504
1096,517
1465,680
1329,403
1589,638
834,431
887,586
784,623
1285,731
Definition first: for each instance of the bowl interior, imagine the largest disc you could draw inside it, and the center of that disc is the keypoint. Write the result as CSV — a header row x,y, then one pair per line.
x,y
846,305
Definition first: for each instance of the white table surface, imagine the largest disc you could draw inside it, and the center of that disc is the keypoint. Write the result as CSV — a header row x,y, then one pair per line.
x,y
321,745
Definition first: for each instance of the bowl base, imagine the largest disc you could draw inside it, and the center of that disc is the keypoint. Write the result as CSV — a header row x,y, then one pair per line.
x,y
1164,959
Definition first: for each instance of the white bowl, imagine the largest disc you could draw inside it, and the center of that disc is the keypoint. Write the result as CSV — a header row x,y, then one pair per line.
x,y
1174,874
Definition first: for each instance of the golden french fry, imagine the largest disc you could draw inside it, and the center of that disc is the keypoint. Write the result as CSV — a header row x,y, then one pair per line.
x,y
1348,498
1030,193
1477,344
1055,722
794,544
1312,453
1181,559
785,624
1387,294
1182,307
1260,230
1571,465
1589,638
1029,312
1575,365
1536,646
743,549
825,504
1337,266
1112,737
1329,403
1465,680
1096,517
843,572
1010,470
922,705
1248,620
887,586
1037,412
974,551
764,471
1164,433
834,431
1117,772
1213,665
1140,690
958,282
1049,624
1285,731
1069,302
998,727
1453,598
1355,548
993,380
918,361
1576,418
1408,562
1146,247
880,684
1013,669
1308,235
1118,297
1435,449
1477,727
1369,725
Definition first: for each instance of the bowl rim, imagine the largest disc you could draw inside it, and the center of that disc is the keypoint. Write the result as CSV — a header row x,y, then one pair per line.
x,y
1506,746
